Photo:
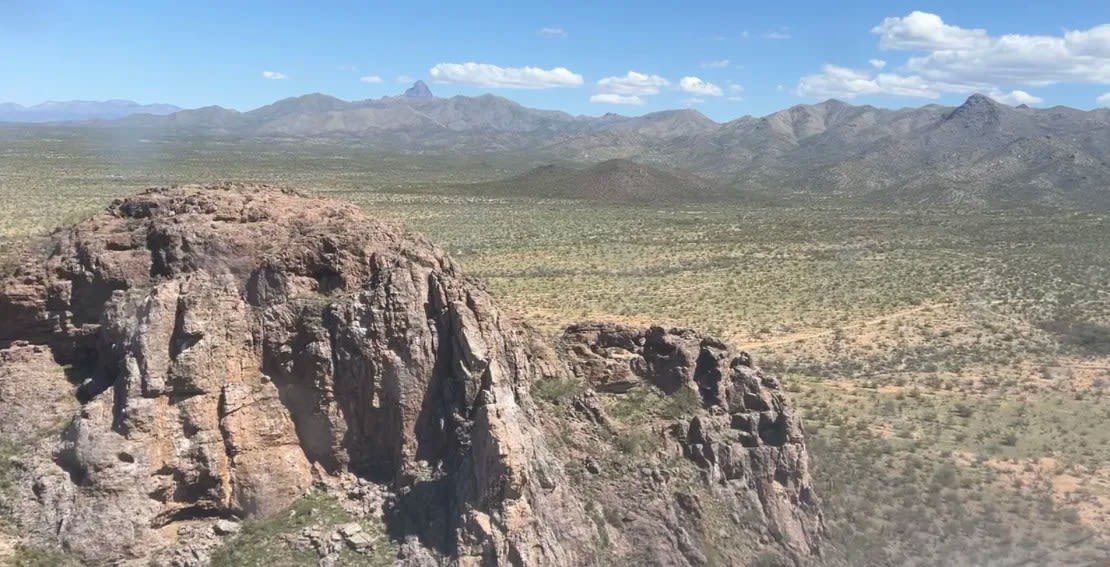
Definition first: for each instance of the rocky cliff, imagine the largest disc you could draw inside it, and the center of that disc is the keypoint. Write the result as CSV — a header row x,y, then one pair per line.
x,y
195,357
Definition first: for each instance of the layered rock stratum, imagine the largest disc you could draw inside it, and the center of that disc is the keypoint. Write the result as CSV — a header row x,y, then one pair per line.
x,y
197,356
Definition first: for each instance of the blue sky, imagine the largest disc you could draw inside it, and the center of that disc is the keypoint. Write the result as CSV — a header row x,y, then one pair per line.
x,y
727,59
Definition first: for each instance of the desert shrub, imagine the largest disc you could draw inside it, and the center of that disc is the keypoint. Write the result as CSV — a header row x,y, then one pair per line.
x,y
557,390
682,403
1084,336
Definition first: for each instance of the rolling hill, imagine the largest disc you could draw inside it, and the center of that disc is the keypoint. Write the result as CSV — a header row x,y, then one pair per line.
x,y
615,180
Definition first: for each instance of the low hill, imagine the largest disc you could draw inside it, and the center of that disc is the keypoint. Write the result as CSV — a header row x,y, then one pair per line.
x,y
615,180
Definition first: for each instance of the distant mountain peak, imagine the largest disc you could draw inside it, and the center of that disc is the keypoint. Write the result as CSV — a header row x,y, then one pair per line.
x,y
978,110
980,100
419,90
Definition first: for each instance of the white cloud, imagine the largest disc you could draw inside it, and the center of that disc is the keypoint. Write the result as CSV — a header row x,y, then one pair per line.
x,y
777,35
877,63
1103,100
735,88
1017,59
974,57
922,30
486,75
403,79
274,76
1094,42
842,82
696,86
715,64
553,33
1014,98
610,98
372,79
632,83
953,59
735,99
745,34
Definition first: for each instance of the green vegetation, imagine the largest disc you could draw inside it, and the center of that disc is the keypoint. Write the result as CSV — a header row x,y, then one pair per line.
x,y
1087,337
557,390
261,542
9,474
644,402
34,557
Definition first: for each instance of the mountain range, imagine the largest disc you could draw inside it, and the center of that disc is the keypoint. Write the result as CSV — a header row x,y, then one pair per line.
x,y
981,153
80,110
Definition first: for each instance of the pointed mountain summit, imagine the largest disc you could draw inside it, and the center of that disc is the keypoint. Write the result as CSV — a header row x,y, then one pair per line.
x,y
978,107
419,90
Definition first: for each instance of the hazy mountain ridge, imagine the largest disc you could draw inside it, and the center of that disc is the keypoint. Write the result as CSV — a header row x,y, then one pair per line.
x,y
980,153
419,113
78,110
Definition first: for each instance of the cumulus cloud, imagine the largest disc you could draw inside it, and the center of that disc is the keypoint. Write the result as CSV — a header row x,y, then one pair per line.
x,y
1014,98
877,63
632,83
972,56
922,30
486,75
1103,100
1023,60
372,79
553,33
954,59
1094,42
611,98
696,86
721,64
274,76
842,82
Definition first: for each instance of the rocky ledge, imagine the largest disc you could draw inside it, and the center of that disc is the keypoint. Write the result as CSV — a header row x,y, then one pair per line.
x,y
214,354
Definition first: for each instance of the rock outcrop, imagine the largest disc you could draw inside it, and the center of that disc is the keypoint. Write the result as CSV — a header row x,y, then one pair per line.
x,y
748,441
234,346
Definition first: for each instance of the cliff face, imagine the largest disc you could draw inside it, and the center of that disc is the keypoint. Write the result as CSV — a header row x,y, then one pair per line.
x,y
232,347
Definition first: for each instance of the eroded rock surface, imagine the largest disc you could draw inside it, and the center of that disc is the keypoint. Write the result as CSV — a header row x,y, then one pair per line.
x,y
748,442
234,346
